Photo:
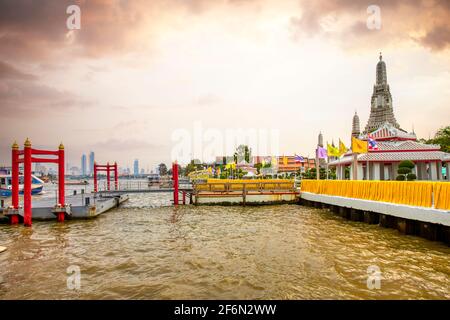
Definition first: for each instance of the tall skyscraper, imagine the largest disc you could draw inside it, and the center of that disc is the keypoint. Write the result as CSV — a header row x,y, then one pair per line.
x,y
91,162
136,167
83,165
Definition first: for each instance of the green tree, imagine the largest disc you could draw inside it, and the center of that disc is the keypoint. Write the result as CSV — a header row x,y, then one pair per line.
x,y
243,152
442,138
162,169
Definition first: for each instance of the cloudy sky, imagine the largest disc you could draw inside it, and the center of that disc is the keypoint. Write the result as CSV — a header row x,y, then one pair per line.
x,y
137,71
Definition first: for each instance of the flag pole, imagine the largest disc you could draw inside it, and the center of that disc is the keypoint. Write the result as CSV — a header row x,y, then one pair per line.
x,y
355,163
317,164
326,167
367,161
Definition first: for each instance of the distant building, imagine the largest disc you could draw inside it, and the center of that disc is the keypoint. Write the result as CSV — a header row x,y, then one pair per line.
x,y
289,164
91,162
83,165
136,167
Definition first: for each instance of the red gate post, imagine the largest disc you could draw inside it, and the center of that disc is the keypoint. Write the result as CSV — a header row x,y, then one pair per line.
x,y
15,181
116,176
108,176
175,182
61,182
95,178
15,175
27,184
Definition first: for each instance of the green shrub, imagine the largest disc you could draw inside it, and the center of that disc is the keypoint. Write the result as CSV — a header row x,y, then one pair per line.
x,y
404,170
406,164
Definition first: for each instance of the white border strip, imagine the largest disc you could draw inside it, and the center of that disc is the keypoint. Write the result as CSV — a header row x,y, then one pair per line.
x,y
397,210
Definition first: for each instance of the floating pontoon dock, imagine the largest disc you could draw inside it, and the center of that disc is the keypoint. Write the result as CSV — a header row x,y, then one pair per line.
x,y
83,206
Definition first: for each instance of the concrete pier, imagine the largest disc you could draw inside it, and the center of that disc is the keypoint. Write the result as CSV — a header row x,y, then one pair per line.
x,y
429,223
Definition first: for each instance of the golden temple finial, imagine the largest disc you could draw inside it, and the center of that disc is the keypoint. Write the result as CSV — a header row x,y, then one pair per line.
x,y
15,146
27,143
61,146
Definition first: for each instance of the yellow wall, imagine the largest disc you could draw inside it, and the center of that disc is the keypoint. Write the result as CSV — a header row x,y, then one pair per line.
x,y
414,193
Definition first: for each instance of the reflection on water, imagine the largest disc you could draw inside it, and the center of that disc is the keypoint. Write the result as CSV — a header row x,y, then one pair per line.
x,y
149,250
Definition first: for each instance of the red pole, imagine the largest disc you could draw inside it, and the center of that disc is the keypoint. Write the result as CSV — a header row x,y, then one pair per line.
x,y
15,181
61,181
108,176
27,184
95,177
116,176
175,182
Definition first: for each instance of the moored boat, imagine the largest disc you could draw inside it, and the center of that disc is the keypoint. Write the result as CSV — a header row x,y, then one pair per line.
x,y
37,185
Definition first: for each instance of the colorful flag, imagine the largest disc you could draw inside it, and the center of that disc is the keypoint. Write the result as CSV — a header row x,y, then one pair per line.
x,y
359,146
321,152
372,143
274,161
332,151
342,148
299,158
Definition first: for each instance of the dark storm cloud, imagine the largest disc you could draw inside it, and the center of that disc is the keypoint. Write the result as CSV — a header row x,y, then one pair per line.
x,y
401,20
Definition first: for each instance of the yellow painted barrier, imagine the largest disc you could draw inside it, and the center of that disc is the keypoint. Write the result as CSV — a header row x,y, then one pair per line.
x,y
413,193
250,184
442,196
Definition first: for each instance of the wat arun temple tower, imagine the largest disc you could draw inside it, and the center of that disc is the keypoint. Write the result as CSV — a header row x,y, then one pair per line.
x,y
381,110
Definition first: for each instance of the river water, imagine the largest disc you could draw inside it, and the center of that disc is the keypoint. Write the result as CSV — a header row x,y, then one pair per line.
x,y
149,250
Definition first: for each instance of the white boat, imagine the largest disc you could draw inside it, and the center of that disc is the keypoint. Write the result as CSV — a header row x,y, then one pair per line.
x,y
37,185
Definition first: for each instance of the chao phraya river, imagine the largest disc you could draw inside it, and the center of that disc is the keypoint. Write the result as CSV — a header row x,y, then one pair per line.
x,y
149,250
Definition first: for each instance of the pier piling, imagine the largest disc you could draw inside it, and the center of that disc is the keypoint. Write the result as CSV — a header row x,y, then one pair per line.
x,y
356,215
371,217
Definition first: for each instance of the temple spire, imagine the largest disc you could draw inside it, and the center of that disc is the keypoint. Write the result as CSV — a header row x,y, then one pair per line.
x,y
381,72
381,110
356,128
320,139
